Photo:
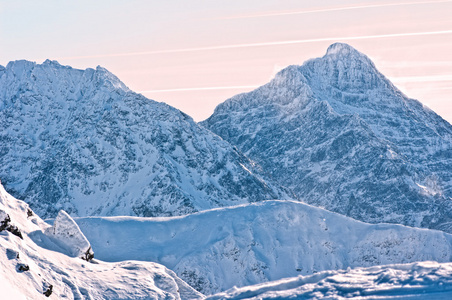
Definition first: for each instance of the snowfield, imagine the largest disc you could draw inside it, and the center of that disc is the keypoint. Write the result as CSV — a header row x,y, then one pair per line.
x,y
249,244
425,280
28,270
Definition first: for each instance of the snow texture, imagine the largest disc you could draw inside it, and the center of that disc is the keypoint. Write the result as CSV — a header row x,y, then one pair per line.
x,y
342,137
81,141
67,234
217,249
425,280
29,267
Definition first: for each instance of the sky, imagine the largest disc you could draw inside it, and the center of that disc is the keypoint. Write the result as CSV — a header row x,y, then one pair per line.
x,y
195,54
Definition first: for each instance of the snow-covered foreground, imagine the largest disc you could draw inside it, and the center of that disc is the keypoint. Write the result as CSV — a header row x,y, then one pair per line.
x,y
426,280
28,270
249,244
218,249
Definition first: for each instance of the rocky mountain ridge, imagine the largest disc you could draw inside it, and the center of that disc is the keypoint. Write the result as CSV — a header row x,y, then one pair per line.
x,y
341,136
81,141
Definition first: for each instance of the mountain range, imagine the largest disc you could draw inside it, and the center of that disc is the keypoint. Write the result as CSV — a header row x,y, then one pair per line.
x,y
81,141
145,182
218,249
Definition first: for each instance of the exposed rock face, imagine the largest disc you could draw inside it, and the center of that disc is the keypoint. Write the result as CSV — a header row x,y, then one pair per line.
x,y
342,137
81,141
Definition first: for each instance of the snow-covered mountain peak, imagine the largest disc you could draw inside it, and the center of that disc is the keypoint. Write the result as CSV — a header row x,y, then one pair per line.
x,y
342,136
110,79
52,63
81,141
344,68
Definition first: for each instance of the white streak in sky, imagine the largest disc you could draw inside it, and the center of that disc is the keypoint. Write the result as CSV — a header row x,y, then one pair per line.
x,y
263,44
203,89
320,10
408,79
434,78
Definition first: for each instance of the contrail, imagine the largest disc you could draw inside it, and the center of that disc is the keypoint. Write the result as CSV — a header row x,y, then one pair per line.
x,y
393,79
434,78
272,14
262,44
203,89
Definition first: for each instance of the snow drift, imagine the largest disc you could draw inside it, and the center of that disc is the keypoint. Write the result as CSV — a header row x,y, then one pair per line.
x,y
29,271
238,246
426,280
67,234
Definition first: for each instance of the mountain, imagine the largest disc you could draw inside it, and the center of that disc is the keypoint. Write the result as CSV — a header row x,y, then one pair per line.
x,y
32,267
81,141
341,136
218,249
426,280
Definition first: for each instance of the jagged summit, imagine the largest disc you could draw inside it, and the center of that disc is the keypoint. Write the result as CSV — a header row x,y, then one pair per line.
x,y
81,141
342,136
52,63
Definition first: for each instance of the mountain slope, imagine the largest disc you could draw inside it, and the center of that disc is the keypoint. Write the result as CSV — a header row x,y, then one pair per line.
x,y
28,270
426,280
81,141
342,137
217,249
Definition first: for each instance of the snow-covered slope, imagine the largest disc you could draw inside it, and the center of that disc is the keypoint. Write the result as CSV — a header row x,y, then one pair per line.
x,y
29,268
342,137
217,249
81,141
426,280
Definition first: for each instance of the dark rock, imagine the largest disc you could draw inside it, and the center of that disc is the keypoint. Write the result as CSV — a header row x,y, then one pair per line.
x,y
14,230
23,267
5,224
48,291
88,255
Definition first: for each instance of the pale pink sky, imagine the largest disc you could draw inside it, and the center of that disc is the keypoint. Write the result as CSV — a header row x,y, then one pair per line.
x,y
195,54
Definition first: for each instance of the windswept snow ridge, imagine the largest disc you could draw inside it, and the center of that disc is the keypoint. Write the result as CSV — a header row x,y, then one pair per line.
x,y
217,249
81,141
342,137
425,280
30,268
